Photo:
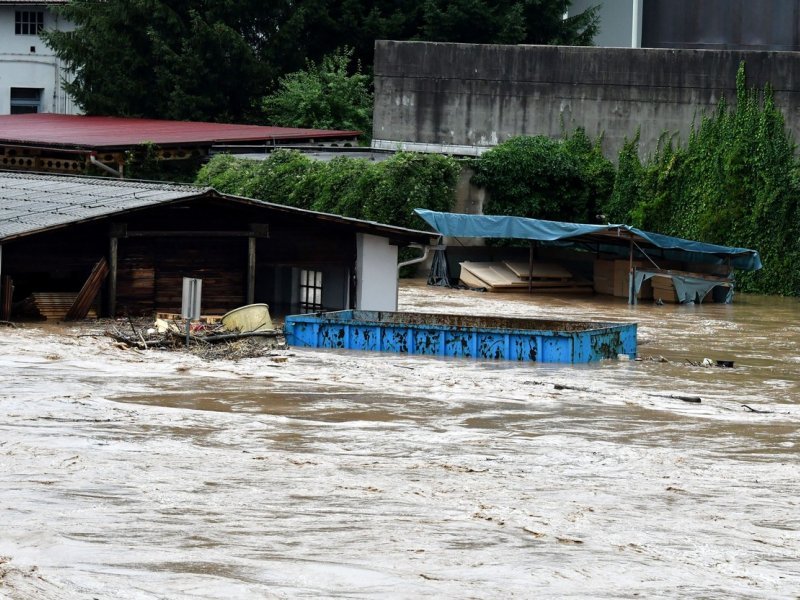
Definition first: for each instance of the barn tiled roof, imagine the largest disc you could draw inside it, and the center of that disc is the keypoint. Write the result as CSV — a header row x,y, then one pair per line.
x,y
33,203
30,202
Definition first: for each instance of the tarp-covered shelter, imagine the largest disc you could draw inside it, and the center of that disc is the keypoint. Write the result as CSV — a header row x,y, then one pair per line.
x,y
613,239
133,242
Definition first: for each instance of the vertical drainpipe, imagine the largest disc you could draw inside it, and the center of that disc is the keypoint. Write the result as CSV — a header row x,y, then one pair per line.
x,y
636,24
251,269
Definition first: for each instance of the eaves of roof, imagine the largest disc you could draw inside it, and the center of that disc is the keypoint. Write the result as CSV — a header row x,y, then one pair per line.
x,y
34,203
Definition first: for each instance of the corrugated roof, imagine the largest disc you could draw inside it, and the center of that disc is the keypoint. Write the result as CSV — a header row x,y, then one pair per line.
x,y
30,203
78,131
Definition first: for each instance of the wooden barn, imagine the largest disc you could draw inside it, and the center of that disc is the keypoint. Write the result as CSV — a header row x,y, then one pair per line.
x,y
135,241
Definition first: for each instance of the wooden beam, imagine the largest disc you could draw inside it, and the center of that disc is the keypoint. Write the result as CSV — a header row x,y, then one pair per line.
x,y
530,266
251,269
85,298
199,234
112,276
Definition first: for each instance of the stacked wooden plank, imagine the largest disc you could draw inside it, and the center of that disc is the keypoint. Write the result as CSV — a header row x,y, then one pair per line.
x,y
52,306
511,276
6,296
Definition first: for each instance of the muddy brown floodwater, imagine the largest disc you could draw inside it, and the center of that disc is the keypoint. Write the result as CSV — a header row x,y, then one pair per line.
x,y
334,474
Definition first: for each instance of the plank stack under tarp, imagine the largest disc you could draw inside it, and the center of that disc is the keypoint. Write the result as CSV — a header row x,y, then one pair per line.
x,y
511,276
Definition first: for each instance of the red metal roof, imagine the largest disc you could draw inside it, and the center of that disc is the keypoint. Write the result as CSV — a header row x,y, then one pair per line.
x,y
77,131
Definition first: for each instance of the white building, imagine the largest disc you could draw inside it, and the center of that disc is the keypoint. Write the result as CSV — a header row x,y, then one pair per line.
x,y
696,24
30,73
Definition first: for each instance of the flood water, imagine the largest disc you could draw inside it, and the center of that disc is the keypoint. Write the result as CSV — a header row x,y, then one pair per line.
x,y
335,474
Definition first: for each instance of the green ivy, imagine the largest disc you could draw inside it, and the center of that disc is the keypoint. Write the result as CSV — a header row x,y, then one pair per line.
x,y
536,176
386,192
735,182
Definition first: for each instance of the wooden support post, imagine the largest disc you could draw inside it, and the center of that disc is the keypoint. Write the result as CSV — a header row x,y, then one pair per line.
x,y
630,273
112,276
530,267
251,270
4,283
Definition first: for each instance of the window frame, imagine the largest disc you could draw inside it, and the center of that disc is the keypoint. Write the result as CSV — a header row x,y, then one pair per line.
x,y
310,290
28,22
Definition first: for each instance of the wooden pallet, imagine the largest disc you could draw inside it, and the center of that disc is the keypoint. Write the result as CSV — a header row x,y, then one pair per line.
x,y
207,319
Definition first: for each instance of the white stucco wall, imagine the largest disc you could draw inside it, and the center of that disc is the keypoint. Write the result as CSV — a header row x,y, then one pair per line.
x,y
376,273
27,62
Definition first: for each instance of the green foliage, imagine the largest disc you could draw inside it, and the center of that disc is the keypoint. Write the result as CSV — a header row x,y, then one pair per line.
x,y
324,96
627,181
735,182
316,27
560,180
144,58
212,59
143,162
386,192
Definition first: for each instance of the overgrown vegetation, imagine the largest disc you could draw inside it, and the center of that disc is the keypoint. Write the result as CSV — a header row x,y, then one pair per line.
x,y
735,182
212,60
559,180
386,191
323,96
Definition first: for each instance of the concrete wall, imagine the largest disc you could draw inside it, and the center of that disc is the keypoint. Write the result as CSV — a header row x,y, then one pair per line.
x,y
27,62
376,273
430,95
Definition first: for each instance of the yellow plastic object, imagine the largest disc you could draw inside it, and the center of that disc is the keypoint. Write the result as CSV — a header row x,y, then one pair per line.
x,y
245,319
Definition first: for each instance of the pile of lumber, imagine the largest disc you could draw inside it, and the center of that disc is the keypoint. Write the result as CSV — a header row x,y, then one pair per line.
x,y
509,276
52,306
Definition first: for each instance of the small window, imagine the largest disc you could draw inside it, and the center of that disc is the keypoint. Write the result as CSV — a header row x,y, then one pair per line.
x,y
25,100
310,290
28,22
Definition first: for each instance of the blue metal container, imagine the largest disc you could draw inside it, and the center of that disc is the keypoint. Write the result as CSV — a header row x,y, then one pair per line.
x,y
456,335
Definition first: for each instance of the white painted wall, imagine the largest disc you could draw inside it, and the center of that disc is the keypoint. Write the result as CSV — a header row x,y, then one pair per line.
x,y
617,28
376,273
27,62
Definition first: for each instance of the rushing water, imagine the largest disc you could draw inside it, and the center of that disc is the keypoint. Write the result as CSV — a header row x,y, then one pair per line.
x,y
321,474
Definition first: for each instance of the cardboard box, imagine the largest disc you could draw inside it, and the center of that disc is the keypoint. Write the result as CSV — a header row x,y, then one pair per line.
x,y
603,277
621,272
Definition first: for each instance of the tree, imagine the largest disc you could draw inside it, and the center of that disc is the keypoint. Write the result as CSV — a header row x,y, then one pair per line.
x,y
323,96
318,26
212,59
147,58
508,22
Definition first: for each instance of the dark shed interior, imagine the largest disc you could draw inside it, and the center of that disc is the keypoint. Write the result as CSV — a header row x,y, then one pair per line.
x,y
207,238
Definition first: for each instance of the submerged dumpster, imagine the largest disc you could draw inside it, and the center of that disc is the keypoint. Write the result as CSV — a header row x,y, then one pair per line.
x,y
464,336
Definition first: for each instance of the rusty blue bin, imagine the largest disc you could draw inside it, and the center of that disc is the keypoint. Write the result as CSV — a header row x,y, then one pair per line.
x,y
496,338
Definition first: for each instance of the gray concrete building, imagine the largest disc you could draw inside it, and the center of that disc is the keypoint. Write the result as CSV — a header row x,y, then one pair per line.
x,y
465,98
697,24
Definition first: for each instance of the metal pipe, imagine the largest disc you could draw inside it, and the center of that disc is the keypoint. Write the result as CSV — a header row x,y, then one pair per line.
x,y
636,24
425,251
94,161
